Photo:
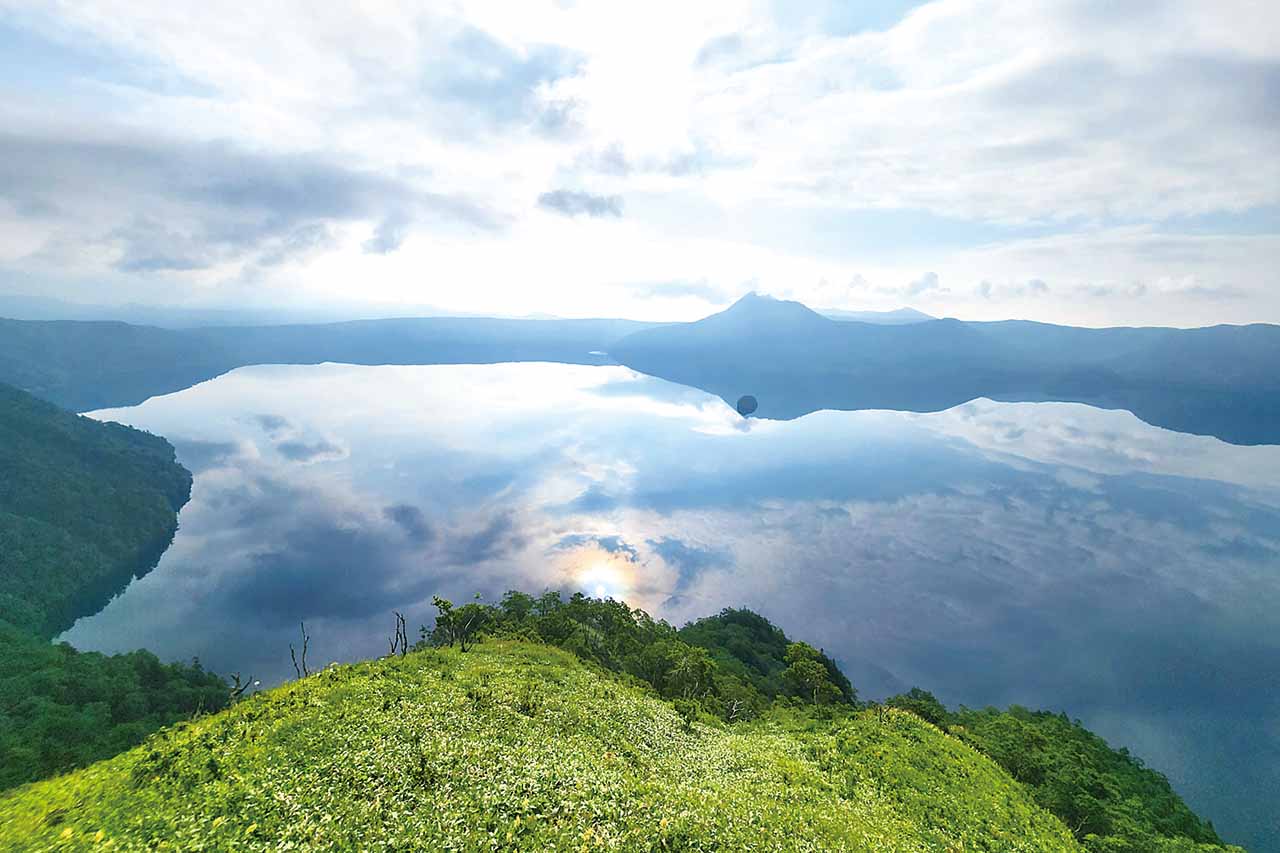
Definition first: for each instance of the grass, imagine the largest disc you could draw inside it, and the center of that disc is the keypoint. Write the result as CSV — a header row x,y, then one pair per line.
x,y
515,746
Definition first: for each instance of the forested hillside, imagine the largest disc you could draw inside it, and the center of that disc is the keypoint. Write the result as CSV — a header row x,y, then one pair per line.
x,y
94,365
483,734
84,507
515,746
736,667
1108,798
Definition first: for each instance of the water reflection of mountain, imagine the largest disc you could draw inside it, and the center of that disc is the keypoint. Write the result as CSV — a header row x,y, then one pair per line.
x,y
1222,381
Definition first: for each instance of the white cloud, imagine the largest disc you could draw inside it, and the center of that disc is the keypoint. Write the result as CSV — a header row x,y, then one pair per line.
x,y
1056,136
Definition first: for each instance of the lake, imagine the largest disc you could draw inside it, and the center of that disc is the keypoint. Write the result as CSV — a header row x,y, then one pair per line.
x,y
1047,554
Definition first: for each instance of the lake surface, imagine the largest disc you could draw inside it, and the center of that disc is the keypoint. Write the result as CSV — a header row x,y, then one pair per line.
x,y
1048,554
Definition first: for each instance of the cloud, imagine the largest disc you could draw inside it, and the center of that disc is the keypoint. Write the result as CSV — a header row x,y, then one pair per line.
x,y
503,84
571,203
926,282
1033,287
389,234
412,521
594,498
719,49
498,538
613,544
181,206
322,450
689,560
702,289
273,425
288,155
198,456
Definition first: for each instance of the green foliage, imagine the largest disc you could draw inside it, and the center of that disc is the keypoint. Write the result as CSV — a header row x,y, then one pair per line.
x,y
922,703
1111,801
61,709
458,626
738,666
440,750
718,673
750,647
807,676
1107,797
84,506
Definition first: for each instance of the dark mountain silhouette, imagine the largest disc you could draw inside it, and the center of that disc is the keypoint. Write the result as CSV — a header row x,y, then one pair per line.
x,y
1221,380
1218,381
99,364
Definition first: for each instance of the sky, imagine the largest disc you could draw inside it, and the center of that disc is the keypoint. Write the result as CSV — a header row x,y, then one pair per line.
x,y
1071,161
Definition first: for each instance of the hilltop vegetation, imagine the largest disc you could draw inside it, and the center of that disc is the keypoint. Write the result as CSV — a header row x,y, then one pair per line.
x,y
1111,801
736,666
61,708
521,747
485,736
84,507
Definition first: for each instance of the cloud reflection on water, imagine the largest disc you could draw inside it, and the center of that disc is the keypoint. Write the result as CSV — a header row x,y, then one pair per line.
x,y
1043,553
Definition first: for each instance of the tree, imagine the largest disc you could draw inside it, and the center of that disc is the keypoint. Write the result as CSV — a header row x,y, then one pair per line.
x,y
457,626
807,675
516,606
922,703
691,672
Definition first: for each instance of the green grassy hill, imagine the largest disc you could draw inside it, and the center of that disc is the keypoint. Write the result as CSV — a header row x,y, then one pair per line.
x,y
518,746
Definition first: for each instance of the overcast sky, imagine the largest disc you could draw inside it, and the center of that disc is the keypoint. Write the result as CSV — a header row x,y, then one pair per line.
x,y
1087,162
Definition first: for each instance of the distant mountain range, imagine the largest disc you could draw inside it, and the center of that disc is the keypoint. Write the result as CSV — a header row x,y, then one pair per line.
x,y
1220,380
86,365
897,317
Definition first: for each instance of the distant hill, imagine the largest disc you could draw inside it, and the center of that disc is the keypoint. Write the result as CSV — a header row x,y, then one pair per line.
x,y
100,364
1222,381
896,317
91,365
522,747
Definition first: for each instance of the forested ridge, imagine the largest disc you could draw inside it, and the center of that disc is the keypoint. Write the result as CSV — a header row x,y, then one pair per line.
x,y
515,745
84,507
736,667
632,735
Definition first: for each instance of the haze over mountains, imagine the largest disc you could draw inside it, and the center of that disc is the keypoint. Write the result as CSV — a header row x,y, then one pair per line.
x,y
1217,380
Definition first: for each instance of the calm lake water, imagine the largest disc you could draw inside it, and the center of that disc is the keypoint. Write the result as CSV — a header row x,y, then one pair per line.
x,y
1047,554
